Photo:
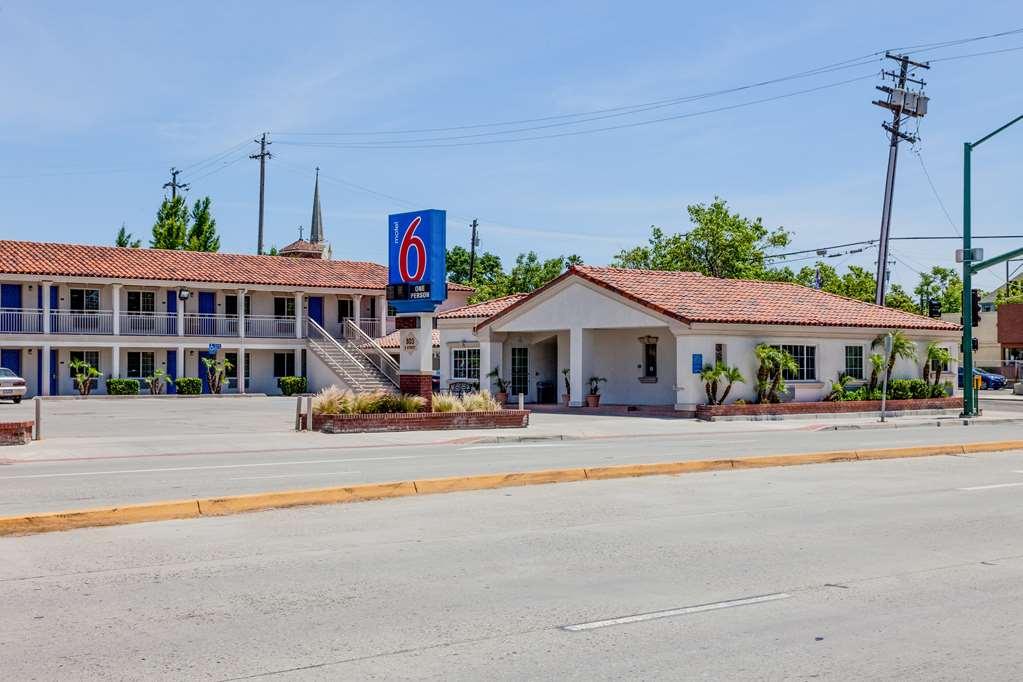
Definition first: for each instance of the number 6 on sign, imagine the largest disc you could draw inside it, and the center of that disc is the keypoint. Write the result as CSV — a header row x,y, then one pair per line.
x,y
409,242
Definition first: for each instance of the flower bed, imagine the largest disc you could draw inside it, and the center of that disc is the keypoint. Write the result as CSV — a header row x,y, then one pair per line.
x,y
16,433
420,421
711,412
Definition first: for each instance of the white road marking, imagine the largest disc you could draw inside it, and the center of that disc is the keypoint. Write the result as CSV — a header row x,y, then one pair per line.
x,y
653,615
307,475
522,445
991,487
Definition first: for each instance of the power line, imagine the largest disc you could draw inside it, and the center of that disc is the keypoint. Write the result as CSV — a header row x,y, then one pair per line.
x,y
934,190
197,165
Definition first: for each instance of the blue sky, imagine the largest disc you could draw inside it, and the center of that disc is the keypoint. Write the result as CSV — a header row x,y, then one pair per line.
x,y
100,100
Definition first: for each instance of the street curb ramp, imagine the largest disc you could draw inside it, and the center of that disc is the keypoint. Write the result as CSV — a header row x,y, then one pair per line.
x,y
237,504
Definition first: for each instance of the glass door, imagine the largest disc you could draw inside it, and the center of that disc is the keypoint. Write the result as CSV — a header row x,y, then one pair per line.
x,y
519,371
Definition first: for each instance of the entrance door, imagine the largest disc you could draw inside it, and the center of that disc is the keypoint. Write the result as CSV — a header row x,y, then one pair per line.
x,y
172,369
11,359
316,309
207,309
520,371
54,372
10,301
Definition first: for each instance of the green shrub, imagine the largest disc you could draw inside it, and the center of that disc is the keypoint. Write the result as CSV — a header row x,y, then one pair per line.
x,y
293,385
942,391
189,385
900,389
122,386
919,389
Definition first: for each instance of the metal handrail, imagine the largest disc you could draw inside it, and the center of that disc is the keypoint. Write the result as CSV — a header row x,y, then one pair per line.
x,y
384,362
316,333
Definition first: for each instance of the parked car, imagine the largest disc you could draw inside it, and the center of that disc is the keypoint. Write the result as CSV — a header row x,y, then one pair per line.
x,y
988,380
12,387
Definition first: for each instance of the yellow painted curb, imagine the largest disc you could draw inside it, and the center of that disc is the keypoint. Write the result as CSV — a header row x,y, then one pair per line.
x,y
235,504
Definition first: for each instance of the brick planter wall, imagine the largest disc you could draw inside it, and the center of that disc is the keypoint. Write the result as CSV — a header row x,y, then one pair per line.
x,y
16,433
709,412
420,421
417,384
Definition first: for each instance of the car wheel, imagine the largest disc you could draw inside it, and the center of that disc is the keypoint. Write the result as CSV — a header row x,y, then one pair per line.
x,y
984,385
17,400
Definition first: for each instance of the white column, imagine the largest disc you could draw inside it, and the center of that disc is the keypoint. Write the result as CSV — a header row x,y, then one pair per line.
x,y
298,362
485,366
357,308
117,308
382,314
575,367
115,362
180,314
180,362
241,368
683,369
241,313
46,309
299,314
46,366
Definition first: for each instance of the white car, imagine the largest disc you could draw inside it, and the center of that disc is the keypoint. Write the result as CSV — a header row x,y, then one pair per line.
x,y
12,387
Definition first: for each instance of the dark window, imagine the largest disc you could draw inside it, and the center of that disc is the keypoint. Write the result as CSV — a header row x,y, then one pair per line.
x,y
232,372
90,356
140,364
84,300
345,309
720,353
141,302
231,305
854,361
372,306
806,359
284,306
650,360
284,365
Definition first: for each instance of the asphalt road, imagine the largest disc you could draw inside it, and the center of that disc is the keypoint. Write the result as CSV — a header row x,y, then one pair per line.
x,y
901,569
315,460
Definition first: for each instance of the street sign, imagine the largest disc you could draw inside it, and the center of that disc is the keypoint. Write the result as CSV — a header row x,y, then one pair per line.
x,y
969,255
697,363
213,348
417,261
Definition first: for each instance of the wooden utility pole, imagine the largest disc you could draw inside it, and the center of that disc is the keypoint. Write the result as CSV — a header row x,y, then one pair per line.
x,y
473,243
263,155
174,184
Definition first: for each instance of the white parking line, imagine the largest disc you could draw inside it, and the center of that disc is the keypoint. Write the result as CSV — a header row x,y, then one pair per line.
x,y
522,445
653,615
992,487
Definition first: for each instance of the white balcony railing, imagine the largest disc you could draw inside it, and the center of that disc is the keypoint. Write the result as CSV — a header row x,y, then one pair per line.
x,y
21,321
269,327
199,324
145,324
81,322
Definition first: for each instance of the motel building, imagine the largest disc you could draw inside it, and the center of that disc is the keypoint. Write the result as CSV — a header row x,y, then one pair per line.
x,y
129,312
650,332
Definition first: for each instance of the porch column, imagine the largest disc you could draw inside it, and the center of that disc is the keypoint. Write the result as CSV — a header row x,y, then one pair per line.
x,y
575,367
382,314
180,314
485,359
357,309
46,366
299,314
241,369
46,312
116,308
241,313
115,362
298,362
683,369
180,362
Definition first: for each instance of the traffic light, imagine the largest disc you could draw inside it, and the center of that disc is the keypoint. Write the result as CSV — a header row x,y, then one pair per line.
x,y
934,308
975,345
975,305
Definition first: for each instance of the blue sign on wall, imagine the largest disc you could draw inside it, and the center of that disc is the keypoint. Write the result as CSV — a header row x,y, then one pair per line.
x,y
697,363
417,261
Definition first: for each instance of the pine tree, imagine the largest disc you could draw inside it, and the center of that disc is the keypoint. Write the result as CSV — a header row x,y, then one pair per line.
x,y
124,238
202,235
171,227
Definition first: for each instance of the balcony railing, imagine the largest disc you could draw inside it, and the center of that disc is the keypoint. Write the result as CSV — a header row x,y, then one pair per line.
x,y
149,324
81,322
21,321
269,327
199,324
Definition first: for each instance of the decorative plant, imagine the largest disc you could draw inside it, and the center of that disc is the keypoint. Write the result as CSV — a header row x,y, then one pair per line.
x,y
710,375
157,381
122,386
502,384
774,362
595,383
733,376
784,363
837,391
292,385
189,385
938,356
902,348
568,384
84,376
877,365
216,371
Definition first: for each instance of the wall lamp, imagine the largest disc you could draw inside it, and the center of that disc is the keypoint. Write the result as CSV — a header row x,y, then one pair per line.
x,y
183,294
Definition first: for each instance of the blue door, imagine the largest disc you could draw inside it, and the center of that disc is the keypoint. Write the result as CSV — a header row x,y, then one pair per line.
x,y
39,371
316,309
10,301
202,370
11,359
54,371
207,307
172,368
172,309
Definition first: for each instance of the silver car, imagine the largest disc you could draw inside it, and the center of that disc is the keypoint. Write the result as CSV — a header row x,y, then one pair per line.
x,y
12,387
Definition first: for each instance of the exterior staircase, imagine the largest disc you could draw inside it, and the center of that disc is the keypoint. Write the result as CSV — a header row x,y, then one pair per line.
x,y
359,363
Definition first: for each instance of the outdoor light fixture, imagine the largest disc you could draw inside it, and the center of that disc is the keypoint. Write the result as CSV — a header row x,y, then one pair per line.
x,y
183,294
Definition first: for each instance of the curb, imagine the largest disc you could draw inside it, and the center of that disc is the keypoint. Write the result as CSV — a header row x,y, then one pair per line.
x,y
237,504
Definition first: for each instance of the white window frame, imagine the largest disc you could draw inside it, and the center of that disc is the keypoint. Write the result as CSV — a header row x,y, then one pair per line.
x,y
466,375
142,374
142,307
805,379
85,356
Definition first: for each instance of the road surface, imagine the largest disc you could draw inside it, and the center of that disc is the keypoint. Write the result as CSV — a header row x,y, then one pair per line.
x,y
900,569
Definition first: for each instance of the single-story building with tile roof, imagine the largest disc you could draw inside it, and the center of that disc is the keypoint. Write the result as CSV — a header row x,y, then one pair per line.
x,y
650,332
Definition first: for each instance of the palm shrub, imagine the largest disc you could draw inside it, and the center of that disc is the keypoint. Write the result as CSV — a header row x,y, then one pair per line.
x,y
783,363
937,356
902,349
732,376
216,372
838,389
709,375
84,376
765,355
157,380
876,366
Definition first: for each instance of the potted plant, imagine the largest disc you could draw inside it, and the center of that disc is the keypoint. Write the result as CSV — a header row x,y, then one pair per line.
x,y
501,394
593,397
566,397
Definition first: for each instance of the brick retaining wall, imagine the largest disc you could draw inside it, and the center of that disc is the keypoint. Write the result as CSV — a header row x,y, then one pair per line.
x,y
420,421
16,433
709,412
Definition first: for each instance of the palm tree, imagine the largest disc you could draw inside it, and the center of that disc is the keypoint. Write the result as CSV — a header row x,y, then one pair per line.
x,y
710,375
766,356
877,364
783,363
902,348
838,387
938,356
732,375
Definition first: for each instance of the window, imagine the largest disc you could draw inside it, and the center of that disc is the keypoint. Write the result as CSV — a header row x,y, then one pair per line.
x,y
231,305
806,358
345,308
140,364
650,360
90,356
284,365
284,306
232,371
720,353
520,370
141,302
854,361
372,307
465,364
84,300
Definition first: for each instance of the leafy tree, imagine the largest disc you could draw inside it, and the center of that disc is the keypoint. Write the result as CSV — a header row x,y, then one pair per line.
x,y
125,238
489,279
898,298
902,348
944,284
171,227
487,269
202,235
720,244
273,251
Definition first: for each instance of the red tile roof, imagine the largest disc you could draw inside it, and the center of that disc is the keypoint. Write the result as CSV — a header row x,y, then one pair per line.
x,y
482,309
302,245
392,341
692,297
80,260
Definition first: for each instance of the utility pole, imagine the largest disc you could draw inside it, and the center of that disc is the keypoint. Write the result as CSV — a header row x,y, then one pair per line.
x,y
263,155
174,184
473,243
903,104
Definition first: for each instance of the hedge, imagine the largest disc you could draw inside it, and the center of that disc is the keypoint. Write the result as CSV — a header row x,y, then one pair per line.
x,y
189,385
293,385
122,386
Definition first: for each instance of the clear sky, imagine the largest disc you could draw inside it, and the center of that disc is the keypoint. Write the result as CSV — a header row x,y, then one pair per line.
x,y
100,99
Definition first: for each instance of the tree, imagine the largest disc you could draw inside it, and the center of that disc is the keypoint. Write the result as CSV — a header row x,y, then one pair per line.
x,y
487,268
899,299
171,227
273,251
937,357
720,244
489,279
202,235
943,284
856,282
902,348
125,239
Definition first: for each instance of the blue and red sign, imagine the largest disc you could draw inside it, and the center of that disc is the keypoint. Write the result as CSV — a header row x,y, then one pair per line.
x,y
417,260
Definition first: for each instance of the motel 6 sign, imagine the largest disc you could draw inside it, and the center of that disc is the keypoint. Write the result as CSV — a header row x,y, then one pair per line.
x,y
417,261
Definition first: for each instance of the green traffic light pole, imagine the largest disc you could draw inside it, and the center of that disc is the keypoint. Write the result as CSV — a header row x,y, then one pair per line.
x,y
969,269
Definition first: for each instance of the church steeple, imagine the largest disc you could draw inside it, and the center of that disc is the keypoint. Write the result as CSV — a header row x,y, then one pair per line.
x,y
316,224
